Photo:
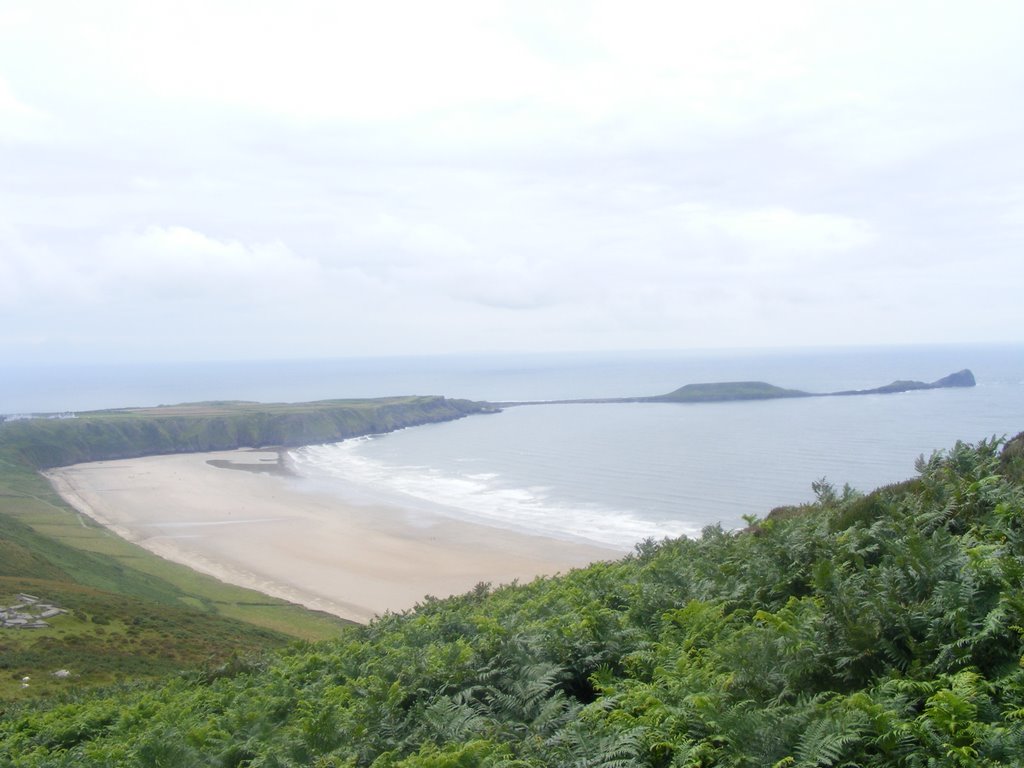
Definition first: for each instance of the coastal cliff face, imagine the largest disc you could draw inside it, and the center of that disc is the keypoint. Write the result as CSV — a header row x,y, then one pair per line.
x,y
126,433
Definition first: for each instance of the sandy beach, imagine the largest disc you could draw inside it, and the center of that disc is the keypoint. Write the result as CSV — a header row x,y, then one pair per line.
x,y
273,532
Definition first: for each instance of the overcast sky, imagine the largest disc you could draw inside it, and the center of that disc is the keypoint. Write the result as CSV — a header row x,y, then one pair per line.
x,y
229,180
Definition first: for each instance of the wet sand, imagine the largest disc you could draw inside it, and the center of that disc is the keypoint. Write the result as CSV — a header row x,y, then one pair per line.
x,y
269,530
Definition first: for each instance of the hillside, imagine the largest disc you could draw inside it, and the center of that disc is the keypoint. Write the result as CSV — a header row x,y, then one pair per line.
x,y
872,630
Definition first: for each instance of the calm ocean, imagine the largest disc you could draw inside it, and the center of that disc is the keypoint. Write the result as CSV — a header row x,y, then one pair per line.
x,y
614,474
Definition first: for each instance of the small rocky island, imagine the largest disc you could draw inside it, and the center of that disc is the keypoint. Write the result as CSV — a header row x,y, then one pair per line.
x,y
728,391
759,390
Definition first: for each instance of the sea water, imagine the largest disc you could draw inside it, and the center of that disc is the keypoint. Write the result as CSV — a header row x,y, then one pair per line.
x,y
619,473
609,473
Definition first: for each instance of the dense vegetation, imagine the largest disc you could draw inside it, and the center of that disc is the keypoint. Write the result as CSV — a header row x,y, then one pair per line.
x,y
878,630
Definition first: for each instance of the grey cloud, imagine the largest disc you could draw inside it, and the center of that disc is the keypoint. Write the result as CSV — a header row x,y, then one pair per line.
x,y
602,175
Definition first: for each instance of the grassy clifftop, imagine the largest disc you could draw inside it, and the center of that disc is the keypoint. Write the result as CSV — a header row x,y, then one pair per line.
x,y
124,433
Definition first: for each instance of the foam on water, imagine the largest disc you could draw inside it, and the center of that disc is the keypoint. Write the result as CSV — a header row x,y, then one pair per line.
x,y
482,497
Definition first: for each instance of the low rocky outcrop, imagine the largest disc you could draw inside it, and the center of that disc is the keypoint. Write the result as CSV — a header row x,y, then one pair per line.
x,y
28,612
962,378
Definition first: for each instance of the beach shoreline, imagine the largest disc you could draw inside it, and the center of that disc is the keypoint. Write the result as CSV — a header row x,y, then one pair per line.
x,y
245,518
